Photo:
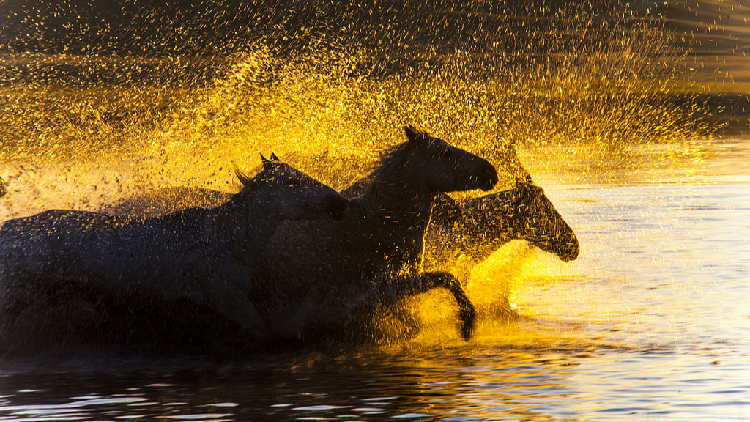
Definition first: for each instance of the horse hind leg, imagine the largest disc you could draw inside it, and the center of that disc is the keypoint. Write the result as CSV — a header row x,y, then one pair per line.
x,y
402,286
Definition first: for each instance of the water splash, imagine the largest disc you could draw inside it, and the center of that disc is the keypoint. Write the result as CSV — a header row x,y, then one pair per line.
x,y
547,76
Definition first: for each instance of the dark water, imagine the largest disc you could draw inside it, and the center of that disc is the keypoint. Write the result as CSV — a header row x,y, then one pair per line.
x,y
650,323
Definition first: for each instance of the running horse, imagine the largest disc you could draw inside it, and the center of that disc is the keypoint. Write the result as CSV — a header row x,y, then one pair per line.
x,y
489,222
197,260
327,279
459,236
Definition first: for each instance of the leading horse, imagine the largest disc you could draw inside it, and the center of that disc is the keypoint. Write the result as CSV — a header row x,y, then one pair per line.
x,y
489,222
196,258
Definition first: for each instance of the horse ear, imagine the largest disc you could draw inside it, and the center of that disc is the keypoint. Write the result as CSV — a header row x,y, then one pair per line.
x,y
274,157
266,162
528,187
523,185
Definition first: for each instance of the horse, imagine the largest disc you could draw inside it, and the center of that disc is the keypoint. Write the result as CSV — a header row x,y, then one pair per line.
x,y
489,222
321,280
196,260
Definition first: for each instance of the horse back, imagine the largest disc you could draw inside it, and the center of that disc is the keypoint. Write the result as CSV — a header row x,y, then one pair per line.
x,y
61,221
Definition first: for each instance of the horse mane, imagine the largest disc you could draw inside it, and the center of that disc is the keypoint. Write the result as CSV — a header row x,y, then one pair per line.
x,y
191,218
186,219
243,177
249,184
390,160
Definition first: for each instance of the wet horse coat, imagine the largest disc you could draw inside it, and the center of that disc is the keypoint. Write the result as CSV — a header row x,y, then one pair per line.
x,y
195,260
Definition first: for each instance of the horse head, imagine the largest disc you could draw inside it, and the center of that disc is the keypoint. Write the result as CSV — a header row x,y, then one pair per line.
x,y
293,194
536,220
445,168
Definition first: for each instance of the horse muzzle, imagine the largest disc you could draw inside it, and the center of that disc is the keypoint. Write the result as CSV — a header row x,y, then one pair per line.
x,y
570,251
485,178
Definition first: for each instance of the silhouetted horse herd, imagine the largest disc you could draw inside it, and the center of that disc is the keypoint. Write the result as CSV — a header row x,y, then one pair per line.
x,y
287,260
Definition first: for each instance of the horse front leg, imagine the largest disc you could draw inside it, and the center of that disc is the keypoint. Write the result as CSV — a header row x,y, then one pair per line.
x,y
401,286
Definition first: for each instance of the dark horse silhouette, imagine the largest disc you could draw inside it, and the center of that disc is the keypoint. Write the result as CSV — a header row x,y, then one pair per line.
x,y
489,222
323,279
200,258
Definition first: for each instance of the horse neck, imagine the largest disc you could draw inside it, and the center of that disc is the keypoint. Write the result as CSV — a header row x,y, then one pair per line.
x,y
505,216
395,196
514,216
398,214
242,227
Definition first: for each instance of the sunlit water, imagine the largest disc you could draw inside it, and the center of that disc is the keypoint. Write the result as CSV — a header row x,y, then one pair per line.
x,y
651,322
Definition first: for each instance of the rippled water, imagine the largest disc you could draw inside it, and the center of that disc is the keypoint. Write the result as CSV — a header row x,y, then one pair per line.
x,y
652,322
